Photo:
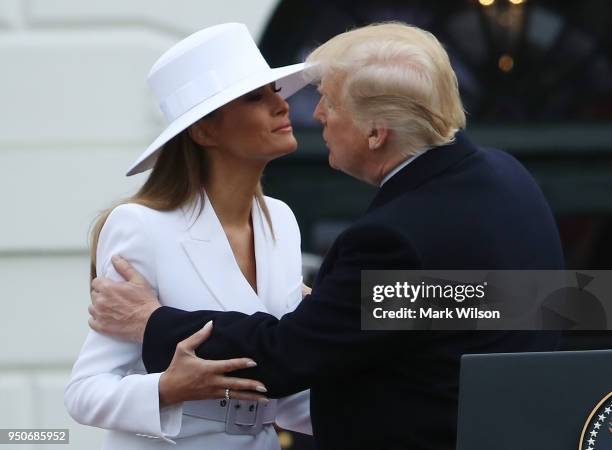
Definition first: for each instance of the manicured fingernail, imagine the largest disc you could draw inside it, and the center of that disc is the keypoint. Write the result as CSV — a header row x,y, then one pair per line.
x,y
251,363
260,389
208,324
264,400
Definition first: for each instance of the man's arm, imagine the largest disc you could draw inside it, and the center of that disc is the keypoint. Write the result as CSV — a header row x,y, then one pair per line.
x,y
322,338
121,309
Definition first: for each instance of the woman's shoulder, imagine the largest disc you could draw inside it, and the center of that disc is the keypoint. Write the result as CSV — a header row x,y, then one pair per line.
x,y
279,210
129,231
133,218
128,211
136,212
283,220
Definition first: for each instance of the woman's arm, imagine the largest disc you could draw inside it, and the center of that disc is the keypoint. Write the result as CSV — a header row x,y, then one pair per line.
x,y
103,391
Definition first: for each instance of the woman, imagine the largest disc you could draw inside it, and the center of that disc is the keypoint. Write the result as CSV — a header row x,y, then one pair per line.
x,y
200,229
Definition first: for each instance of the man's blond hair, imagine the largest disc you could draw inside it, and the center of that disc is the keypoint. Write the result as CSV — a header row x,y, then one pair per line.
x,y
396,74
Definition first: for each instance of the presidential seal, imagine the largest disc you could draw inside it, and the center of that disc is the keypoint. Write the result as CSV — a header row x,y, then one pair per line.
x,y
597,430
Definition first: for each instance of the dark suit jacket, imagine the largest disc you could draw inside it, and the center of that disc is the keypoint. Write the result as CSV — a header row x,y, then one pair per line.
x,y
455,207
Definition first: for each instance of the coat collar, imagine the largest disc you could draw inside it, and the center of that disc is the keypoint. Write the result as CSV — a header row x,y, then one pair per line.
x,y
422,169
210,253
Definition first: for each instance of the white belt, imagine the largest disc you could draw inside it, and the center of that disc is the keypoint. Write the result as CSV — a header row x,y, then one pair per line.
x,y
240,416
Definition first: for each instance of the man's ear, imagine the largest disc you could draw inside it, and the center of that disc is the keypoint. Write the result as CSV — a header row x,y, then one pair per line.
x,y
202,133
379,133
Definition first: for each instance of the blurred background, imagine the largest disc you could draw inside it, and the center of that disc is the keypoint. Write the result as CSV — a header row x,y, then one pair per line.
x,y
535,77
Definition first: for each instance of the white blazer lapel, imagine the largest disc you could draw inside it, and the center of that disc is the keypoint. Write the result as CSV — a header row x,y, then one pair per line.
x,y
209,252
262,237
278,264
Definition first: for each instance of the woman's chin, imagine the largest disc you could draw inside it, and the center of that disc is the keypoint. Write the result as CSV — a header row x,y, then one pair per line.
x,y
292,143
285,152
275,153
290,147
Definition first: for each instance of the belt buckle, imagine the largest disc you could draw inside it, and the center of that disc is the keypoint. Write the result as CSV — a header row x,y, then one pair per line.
x,y
235,409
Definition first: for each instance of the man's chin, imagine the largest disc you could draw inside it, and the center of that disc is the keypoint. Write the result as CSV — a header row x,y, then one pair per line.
x,y
330,161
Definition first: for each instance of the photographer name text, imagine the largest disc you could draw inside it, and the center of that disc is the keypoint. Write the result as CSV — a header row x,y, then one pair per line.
x,y
424,292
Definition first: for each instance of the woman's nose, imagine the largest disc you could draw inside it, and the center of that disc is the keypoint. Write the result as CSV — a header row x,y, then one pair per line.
x,y
281,106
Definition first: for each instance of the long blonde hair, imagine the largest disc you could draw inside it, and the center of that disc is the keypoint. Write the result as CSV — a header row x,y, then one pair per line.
x,y
176,180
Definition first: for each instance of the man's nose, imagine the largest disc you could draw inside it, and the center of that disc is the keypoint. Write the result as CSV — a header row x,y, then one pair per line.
x,y
319,113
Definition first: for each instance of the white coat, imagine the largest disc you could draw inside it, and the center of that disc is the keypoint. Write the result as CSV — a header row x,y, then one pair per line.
x,y
188,261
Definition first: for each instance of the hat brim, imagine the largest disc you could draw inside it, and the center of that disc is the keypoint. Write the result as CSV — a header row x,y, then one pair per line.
x,y
290,78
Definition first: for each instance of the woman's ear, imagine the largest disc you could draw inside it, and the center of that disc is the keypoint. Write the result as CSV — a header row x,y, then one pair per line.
x,y
378,136
202,133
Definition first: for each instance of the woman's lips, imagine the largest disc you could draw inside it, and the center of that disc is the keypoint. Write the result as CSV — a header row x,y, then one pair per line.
x,y
285,128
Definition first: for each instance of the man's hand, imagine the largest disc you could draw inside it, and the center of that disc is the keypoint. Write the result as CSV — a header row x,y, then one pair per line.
x,y
122,309
191,378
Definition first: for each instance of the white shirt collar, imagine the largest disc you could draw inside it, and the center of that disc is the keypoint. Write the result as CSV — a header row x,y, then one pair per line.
x,y
402,165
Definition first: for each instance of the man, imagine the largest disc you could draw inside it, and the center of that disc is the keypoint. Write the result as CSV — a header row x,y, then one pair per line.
x,y
391,112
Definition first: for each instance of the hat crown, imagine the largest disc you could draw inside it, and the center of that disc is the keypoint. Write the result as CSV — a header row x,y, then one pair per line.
x,y
205,71
202,65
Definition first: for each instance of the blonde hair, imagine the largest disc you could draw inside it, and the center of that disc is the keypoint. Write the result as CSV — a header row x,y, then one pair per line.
x,y
176,180
398,74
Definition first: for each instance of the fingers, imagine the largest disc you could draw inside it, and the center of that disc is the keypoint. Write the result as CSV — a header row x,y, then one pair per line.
x,y
95,284
93,324
93,295
99,285
249,396
126,270
229,365
239,395
242,384
92,312
197,338
96,306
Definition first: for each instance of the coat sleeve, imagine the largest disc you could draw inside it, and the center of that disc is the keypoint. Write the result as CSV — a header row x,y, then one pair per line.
x,y
108,387
321,339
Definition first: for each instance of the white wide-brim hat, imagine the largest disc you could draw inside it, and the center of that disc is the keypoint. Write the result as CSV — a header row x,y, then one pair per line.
x,y
204,72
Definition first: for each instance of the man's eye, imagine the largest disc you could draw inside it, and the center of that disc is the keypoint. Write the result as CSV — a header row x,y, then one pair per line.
x,y
277,89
